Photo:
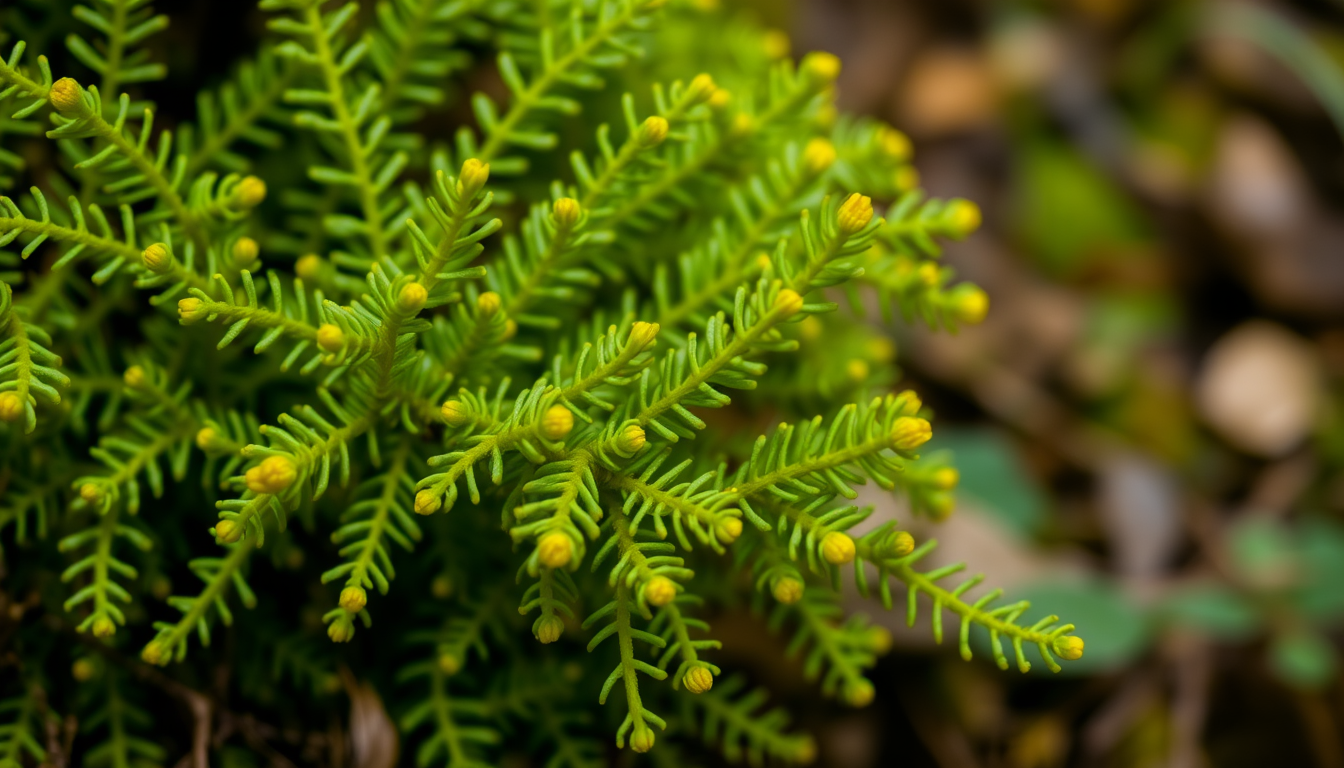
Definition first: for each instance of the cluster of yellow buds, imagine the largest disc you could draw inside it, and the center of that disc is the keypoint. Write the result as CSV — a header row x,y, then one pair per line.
x,y
565,213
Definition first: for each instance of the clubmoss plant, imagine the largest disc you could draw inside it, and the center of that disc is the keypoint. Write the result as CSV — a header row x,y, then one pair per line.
x,y
254,366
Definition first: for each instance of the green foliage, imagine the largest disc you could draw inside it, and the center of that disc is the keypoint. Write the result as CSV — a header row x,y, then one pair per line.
x,y
562,352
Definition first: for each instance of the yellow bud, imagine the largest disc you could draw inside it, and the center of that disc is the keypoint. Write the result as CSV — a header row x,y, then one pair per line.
x,y
104,627
68,97
963,217
940,505
929,274
642,739
273,475
907,178
881,639
728,529
510,329
911,403
411,299
821,68
330,338
251,191
1069,647
659,591
191,310
83,670
156,258
788,303
894,143
776,43
698,680
788,590
565,213
342,630
548,629
818,156
472,179
720,98
488,303
441,587
353,599
763,261
245,251
454,413
969,304
557,422
811,328
882,349
308,266
854,214
11,406
630,439
742,124
901,544
228,531
155,653
134,377
859,694
642,334
555,550
90,492
205,437
946,478
838,548
826,115
807,751
427,502
857,369
701,89
449,664
653,132
910,432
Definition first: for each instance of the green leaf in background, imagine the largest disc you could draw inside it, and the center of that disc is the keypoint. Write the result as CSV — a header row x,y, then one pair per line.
x,y
1321,596
1212,609
1302,659
1070,212
1115,629
992,475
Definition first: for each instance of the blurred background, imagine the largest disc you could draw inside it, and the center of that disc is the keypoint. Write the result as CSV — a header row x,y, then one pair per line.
x,y
1148,425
